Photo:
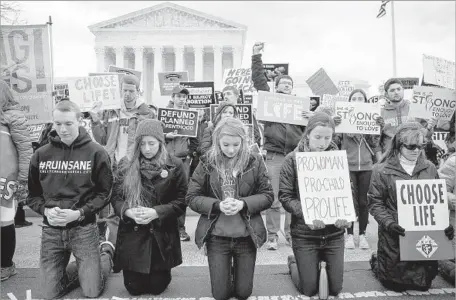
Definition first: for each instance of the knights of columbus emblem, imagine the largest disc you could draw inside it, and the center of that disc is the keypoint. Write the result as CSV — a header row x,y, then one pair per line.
x,y
426,246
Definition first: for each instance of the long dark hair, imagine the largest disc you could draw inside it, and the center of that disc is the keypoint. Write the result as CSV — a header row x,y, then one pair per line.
x,y
357,91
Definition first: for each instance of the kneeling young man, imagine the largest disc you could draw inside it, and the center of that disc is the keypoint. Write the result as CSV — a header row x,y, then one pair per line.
x,y
70,180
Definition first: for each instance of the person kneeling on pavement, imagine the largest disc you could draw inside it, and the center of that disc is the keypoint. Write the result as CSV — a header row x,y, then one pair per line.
x,y
70,181
403,160
149,197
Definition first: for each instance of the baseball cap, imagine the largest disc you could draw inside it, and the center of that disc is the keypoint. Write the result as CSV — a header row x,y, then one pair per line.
x,y
178,89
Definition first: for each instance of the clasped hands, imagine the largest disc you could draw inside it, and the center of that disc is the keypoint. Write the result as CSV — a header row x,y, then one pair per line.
x,y
318,224
141,215
61,217
231,206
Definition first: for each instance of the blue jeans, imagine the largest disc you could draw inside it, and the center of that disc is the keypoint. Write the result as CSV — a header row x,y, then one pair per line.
x,y
231,266
90,270
274,162
308,253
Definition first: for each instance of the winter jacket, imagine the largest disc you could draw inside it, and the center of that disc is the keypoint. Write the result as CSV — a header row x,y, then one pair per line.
x,y
382,203
252,186
289,196
361,150
106,131
278,137
70,177
179,146
154,246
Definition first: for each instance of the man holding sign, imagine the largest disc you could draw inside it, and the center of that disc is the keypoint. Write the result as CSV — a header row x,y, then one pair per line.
x,y
404,160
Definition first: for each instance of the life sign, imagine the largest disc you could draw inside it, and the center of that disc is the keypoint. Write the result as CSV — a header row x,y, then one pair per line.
x,y
433,102
26,67
324,186
357,117
282,108
422,207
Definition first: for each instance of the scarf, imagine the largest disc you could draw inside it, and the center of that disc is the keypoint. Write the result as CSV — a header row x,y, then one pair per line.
x,y
149,168
408,165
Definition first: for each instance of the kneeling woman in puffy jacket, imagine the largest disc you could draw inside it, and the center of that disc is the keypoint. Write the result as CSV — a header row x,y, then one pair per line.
x,y
404,160
312,243
230,188
149,196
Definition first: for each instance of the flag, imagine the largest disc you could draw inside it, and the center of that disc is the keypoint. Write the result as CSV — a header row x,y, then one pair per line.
x,y
382,10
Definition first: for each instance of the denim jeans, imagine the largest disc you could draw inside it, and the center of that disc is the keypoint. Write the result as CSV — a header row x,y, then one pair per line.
x,y
308,253
90,270
361,182
274,162
231,266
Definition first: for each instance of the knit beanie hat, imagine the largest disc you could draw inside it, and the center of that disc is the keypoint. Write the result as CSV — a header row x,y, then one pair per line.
x,y
150,127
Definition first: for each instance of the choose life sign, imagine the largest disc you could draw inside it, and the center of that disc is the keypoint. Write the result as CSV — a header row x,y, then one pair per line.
x,y
324,186
357,117
433,102
422,207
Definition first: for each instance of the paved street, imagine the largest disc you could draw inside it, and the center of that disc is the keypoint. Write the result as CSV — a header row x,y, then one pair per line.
x,y
191,280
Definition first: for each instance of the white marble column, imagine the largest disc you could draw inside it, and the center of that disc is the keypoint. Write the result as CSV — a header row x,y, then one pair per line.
x,y
218,76
179,56
158,65
120,52
100,53
237,57
139,65
198,51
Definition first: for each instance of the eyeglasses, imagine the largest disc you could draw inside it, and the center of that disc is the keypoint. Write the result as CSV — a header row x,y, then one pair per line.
x,y
414,146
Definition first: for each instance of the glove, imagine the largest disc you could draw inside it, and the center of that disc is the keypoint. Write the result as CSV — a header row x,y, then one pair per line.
x,y
395,228
449,232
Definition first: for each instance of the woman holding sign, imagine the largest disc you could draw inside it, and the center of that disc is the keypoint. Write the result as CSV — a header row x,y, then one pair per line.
x,y
315,245
230,188
403,160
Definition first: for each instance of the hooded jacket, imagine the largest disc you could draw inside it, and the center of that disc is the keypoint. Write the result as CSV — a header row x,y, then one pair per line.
x,y
382,203
361,149
278,137
70,177
290,198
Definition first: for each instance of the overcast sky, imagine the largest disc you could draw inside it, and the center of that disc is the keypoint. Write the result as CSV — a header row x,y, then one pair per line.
x,y
344,37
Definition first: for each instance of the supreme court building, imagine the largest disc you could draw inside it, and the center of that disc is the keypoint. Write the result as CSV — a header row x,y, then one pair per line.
x,y
169,37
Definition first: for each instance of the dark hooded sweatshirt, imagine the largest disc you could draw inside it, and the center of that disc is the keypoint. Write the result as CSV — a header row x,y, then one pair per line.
x,y
70,177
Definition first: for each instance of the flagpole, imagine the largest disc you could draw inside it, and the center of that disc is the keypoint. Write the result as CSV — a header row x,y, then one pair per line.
x,y
51,49
393,27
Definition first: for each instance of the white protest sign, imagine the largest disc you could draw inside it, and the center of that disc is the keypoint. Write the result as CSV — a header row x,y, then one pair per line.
x,y
438,71
357,117
345,88
439,138
91,90
422,207
239,78
330,101
324,186
282,108
433,102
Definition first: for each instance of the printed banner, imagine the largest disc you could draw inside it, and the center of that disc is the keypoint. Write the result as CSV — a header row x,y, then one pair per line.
x,y
438,71
168,80
324,186
92,90
423,212
345,88
61,91
439,138
320,83
433,102
244,113
26,67
330,101
35,131
115,69
282,108
357,117
201,93
409,82
181,122
273,70
240,78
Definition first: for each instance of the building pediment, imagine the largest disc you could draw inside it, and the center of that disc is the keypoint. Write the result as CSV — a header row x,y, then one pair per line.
x,y
165,16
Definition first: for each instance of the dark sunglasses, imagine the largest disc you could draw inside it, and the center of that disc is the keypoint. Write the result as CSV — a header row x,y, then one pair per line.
x,y
414,146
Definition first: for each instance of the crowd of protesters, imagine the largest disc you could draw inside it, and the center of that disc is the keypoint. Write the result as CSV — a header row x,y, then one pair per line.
x,y
116,197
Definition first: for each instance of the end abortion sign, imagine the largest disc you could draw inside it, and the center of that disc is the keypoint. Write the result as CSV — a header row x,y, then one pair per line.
x,y
91,90
201,93
423,212
181,122
433,102
324,186
357,117
282,108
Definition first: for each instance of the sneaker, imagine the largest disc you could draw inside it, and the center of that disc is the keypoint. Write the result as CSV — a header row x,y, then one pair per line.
x,y
273,244
107,247
363,243
8,272
184,237
350,242
23,224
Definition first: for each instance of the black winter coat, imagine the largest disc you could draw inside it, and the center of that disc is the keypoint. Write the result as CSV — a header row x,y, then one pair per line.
x,y
252,186
383,207
155,246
